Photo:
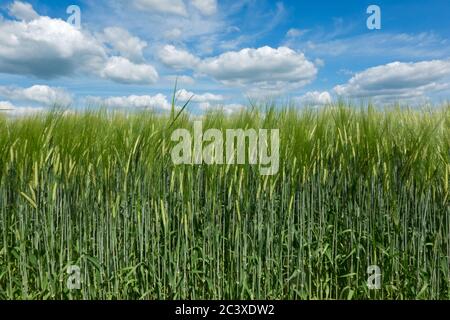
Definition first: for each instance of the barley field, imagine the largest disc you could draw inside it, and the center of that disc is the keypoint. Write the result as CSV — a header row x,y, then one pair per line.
x,y
356,187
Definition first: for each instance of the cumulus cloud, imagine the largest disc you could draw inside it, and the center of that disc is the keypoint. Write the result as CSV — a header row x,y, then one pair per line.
x,y
124,43
315,98
184,95
47,48
38,93
227,108
183,79
266,68
176,7
25,111
22,11
177,58
122,70
208,101
206,7
398,80
156,102
6,105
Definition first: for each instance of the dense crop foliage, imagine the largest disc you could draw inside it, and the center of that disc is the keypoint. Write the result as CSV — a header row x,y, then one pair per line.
x,y
356,187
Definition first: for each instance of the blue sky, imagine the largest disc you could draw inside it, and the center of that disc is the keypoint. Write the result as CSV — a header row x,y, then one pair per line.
x,y
128,53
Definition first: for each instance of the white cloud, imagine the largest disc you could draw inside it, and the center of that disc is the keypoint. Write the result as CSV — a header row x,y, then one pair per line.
x,y
182,80
6,105
22,11
156,102
176,7
173,34
319,62
47,48
398,81
122,70
315,98
208,101
124,43
425,45
25,111
206,7
9,109
227,108
265,68
184,95
295,33
177,58
38,93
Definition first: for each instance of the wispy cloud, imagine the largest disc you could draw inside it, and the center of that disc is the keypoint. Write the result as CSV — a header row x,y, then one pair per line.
x,y
399,45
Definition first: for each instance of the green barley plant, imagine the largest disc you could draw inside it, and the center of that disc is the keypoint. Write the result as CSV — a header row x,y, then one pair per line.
x,y
356,187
